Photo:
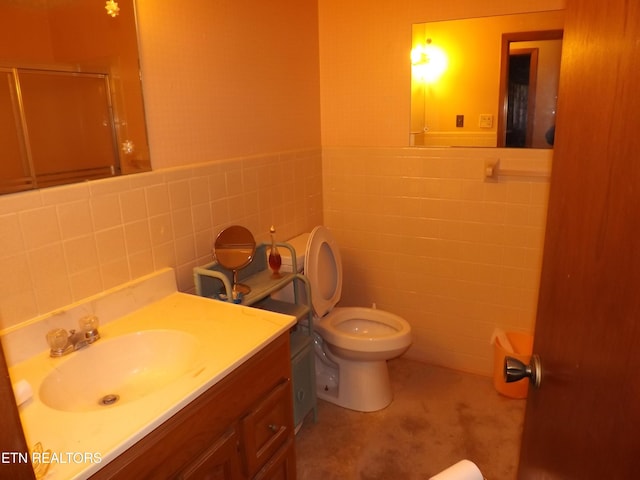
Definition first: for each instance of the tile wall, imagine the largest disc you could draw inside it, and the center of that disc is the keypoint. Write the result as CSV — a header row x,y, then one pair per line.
x,y
425,235
62,244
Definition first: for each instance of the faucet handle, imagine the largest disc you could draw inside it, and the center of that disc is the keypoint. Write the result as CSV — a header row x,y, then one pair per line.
x,y
57,339
89,326
88,323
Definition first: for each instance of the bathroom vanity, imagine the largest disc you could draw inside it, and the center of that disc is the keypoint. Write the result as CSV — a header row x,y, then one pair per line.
x,y
203,388
242,427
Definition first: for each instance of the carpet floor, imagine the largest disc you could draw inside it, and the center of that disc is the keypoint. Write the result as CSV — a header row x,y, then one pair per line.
x,y
438,417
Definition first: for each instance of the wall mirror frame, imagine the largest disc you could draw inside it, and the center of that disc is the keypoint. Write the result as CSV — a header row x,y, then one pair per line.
x,y
71,104
463,105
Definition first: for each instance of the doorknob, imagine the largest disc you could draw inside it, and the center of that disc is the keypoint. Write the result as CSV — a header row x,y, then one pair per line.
x,y
515,370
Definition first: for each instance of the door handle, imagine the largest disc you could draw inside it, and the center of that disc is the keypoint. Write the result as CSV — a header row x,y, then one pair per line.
x,y
515,370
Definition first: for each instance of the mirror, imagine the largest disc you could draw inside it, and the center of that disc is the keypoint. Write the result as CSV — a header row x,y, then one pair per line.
x,y
71,106
457,89
234,249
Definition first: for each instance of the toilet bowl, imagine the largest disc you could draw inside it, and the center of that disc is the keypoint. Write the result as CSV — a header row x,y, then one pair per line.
x,y
352,344
358,333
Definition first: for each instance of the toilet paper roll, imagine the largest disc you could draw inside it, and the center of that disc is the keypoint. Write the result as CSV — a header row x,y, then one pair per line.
x,y
22,391
463,470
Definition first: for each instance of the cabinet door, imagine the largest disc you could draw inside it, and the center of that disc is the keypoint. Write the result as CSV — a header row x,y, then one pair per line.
x,y
266,428
282,466
219,462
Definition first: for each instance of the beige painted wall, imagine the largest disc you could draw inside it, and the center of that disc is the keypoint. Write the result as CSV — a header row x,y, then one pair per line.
x,y
365,68
228,78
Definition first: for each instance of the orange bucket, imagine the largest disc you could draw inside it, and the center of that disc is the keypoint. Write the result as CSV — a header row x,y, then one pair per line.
x,y
522,343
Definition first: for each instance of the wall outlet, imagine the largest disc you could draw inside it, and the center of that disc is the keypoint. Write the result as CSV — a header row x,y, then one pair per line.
x,y
486,120
459,121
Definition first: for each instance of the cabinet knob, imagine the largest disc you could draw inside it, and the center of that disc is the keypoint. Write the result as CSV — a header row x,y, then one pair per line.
x,y
273,427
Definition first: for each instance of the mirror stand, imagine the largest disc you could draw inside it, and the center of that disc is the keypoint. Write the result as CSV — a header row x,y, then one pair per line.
x,y
237,286
234,249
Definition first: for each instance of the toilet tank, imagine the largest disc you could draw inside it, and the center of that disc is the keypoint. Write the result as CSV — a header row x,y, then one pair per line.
x,y
299,243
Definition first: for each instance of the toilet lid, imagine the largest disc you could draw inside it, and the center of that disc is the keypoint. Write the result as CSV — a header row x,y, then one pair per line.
x,y
323,268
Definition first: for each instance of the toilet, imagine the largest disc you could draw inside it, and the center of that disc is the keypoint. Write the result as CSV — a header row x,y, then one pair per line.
x,y
352,344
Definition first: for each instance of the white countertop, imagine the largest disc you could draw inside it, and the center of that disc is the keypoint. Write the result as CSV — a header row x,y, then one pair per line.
x,y
228,335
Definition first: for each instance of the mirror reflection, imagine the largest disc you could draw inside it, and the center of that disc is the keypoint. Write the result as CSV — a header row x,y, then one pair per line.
x,y
461,94
529,76
71,104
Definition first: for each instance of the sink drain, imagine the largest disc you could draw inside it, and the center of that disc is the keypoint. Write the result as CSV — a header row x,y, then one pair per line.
x,y
109,399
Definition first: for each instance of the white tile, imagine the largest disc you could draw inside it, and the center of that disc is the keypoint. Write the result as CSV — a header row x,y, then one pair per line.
x,y
40,227
81,254
75,219
50,279
11,241
157,198
111,245
105,211
134,205
137,237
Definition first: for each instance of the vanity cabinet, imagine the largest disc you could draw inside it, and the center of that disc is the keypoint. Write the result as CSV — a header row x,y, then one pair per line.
x,y
214,281
241,428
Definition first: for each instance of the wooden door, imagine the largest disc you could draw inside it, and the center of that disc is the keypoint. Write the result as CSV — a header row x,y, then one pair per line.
x,y
584,420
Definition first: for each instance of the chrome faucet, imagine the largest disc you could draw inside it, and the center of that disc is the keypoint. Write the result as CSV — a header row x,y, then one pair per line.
x,y
62,342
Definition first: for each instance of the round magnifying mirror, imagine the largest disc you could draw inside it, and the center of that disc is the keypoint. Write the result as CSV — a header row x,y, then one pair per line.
x,y
234,249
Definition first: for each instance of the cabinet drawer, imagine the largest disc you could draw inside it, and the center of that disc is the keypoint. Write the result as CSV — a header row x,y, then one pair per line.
x,y
266,428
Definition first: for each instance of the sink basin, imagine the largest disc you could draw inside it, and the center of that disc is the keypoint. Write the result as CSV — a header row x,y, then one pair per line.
x,y
119,370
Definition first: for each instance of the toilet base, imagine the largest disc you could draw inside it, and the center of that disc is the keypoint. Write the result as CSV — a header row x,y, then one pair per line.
x,y
362,386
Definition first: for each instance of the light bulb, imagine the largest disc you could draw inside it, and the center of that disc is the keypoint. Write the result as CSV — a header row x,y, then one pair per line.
x,y
112,8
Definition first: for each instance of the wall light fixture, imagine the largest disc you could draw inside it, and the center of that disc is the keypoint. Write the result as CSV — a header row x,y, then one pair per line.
x,y
428,62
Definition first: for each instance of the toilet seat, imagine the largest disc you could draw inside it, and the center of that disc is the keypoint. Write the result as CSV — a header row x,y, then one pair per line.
x,y
323,268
